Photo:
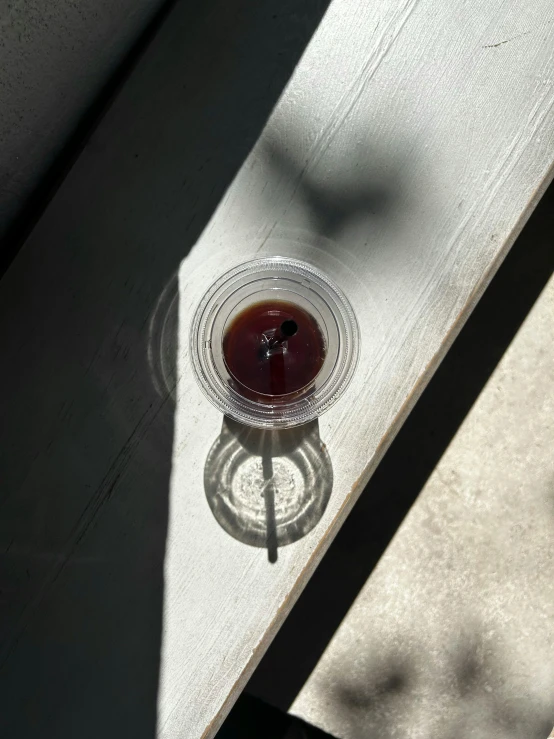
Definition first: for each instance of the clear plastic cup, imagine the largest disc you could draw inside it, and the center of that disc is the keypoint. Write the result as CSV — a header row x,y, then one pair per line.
x,y
274,280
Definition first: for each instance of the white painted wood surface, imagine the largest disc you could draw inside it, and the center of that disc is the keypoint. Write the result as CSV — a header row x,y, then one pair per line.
x,y
403,158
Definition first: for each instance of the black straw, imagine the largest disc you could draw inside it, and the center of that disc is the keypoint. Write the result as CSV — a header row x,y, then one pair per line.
x,y
289,328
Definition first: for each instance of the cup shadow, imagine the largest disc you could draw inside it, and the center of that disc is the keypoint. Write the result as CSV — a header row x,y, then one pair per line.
x,y
268,487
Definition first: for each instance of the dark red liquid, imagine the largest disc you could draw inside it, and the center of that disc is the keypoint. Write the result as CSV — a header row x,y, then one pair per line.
x,y
264,361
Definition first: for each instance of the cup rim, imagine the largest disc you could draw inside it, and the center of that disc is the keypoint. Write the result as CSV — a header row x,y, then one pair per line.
x,y
282,414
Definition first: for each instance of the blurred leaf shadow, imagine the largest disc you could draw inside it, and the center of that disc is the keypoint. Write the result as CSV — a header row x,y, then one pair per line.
x,y
466,697
357,188
383,683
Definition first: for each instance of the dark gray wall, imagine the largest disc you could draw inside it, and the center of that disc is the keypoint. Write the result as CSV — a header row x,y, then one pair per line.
x,y
55,57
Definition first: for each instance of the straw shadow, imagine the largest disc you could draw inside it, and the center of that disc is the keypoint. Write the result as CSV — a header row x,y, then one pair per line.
x,y
268,487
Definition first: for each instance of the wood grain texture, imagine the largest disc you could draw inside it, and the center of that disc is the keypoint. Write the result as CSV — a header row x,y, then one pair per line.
x,y
403,158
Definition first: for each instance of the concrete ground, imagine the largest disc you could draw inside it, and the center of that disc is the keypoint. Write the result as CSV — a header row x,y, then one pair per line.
x,y
450,633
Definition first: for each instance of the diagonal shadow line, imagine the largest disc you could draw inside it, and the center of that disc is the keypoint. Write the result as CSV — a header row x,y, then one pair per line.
x,y
409,462
42,194
269,495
